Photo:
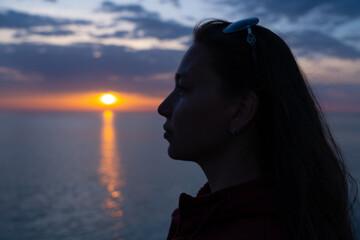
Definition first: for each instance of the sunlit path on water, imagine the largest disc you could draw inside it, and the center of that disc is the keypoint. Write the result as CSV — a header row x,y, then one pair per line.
x,y
110,171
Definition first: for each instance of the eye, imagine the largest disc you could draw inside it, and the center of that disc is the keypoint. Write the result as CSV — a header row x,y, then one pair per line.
x,y
181,90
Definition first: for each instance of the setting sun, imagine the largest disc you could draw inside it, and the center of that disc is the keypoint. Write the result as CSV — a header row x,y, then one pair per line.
x,y
108,98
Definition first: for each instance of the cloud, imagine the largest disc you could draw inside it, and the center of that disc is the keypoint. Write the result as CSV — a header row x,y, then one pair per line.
x,y
141,29
294,10
14,19
74,68
13,75
355,37
155,27
322,27
176,3
55,69
310,43
55,33
331,70
111,7
117,34
148,23
58,32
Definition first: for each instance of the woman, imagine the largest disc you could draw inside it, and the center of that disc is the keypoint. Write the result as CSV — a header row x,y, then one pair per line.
x,y
243,111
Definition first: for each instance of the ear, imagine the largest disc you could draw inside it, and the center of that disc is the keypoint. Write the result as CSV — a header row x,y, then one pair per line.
x,y
245,108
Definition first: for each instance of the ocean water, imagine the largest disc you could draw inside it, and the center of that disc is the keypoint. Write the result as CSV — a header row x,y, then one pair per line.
x,y
102,175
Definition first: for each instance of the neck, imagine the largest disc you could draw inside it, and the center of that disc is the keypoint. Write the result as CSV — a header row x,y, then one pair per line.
x,y
234,166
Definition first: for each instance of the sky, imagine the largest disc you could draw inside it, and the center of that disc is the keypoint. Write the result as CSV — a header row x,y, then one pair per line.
x,y
63,54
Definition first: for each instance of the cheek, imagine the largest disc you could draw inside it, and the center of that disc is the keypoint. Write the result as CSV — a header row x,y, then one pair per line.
x,y
198,128
188,116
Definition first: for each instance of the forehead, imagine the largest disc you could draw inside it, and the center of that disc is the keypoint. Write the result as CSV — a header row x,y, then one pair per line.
x,y
195,57
196,66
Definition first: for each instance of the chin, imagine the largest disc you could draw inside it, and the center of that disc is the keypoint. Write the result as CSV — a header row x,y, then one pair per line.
x,y
174,155
179,156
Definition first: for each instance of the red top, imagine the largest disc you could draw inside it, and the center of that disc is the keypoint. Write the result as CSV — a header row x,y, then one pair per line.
x,y
244,211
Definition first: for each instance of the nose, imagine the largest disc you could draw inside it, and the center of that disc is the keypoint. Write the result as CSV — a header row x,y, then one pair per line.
x,y
165,108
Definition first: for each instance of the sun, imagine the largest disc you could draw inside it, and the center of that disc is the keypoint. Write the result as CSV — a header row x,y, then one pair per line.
x,y
108,99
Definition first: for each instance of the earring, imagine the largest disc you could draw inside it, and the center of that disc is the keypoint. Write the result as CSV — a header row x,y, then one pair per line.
x,y
234,132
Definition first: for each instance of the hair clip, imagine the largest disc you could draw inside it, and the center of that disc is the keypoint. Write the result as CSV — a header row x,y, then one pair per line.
x,y
242,24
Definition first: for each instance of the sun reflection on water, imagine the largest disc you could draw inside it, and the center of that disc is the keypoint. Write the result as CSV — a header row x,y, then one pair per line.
x,y
111,172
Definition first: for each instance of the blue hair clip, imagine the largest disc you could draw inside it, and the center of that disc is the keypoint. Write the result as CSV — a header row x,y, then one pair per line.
x,y
242,24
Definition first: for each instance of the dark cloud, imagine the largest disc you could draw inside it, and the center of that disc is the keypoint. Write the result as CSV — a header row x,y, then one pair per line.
x,y
293,10
28,67
111,7
117,34
55,33
43,33
148,23
355,37
14,19
155,27
310,43
320,17
74,68
176,3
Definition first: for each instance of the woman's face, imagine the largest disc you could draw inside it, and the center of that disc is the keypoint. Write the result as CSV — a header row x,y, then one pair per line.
x,y
197,115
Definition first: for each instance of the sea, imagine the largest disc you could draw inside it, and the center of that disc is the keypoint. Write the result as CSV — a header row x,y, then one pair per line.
x,y
103,175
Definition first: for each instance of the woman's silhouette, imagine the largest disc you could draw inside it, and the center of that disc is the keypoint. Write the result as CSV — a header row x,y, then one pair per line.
x,y
243,111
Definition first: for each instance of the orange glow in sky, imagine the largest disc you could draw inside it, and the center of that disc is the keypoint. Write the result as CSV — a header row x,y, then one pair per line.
x,y
93,101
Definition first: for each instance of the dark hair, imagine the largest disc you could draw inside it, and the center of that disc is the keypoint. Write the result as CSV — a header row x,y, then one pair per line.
x,y
294,141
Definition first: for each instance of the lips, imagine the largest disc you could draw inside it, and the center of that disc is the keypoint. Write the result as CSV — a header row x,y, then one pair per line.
x,y
167,131
166,128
